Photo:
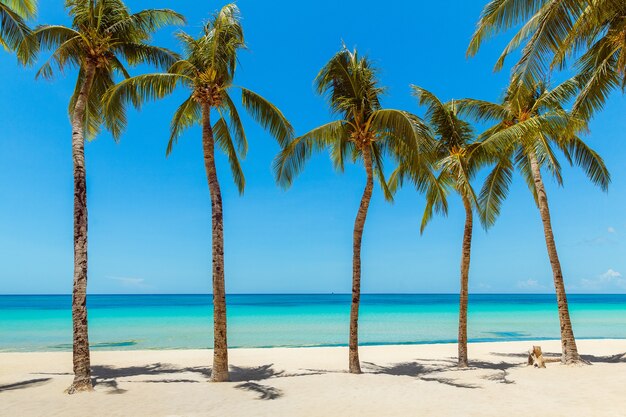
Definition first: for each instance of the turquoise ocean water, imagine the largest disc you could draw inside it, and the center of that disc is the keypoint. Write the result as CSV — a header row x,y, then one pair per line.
x,y
43,323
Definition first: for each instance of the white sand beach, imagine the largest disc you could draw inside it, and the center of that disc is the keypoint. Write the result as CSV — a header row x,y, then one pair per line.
x,y
398,381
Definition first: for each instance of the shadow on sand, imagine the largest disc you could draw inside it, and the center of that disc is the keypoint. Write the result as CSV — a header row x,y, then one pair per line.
x,y
264,392
109,376
426,370
248,377
31,383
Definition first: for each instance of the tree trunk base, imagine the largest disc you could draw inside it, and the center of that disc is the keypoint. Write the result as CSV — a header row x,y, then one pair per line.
x,y
463,364
355,367
79,386
355,370
222,376
571,361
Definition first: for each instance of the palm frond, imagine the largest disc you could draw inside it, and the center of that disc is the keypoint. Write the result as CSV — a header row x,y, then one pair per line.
x,y
400,125
598,77
236,125
291,159
481,110
15,33
146,21
494,191
188,114
225,142
436,199
141,53
498,16
268,116
590,162
379,171
137,90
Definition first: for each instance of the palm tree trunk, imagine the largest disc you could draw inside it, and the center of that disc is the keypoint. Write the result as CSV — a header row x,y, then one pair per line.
x,y
359,224
568,343
463,295
219,373
81,359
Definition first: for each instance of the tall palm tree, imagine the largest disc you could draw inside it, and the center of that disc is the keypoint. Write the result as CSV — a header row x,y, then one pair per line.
x,y
207,70
593,31
457,159
15,35
530,124
103,34
366,133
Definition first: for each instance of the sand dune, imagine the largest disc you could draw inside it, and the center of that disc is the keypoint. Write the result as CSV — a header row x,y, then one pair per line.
x,y
398,381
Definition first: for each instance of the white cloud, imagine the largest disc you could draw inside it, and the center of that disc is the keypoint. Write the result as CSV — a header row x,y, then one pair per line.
x,y
610,274
130,282
611,229
611,279
530,284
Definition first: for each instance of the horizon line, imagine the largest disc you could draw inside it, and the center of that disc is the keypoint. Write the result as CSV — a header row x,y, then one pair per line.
x,y
318,293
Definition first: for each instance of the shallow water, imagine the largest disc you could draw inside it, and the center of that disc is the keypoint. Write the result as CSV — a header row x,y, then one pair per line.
x,y
36,323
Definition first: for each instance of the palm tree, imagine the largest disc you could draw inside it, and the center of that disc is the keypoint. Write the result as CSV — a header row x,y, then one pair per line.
x,y
103,34
530,124
365,132
457,158
15,34
207,70
552,31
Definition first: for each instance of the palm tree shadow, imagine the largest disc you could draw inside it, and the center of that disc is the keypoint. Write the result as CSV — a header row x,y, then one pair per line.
x,y
398,369
265,392
257,373
24,384
108,376
418,370
425,368
619,358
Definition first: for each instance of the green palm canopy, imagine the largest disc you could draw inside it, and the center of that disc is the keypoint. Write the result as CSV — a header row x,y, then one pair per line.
x,y
363,129
531,122
15,35
455,158
206,70
552,31
104,37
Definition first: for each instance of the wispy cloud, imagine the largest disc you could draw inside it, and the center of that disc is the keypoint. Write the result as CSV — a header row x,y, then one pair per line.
x,y
530,284
481,286
597,241
611,279
131,282
610,237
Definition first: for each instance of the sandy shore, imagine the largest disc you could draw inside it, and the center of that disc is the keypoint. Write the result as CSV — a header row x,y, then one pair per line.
x,y
398,381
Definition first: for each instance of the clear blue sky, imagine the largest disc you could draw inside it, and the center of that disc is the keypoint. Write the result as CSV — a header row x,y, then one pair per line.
x,y
150,216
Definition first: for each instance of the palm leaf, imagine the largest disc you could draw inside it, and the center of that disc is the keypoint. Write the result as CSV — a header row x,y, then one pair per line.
x,y
494,191
225,142
291,159
268,115
188,114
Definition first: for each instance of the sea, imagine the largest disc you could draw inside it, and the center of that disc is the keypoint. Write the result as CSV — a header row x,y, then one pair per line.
x,y
121,322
